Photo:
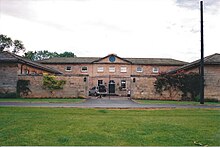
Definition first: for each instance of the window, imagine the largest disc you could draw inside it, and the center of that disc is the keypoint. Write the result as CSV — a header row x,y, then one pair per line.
x,y
84,69
111,69
68,68
100,82
100,69
123,84
123,69
26,72
155,70
139,69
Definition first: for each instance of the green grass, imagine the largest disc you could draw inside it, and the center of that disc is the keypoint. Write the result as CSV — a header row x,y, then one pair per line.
x,y
174,102
98,127
42,100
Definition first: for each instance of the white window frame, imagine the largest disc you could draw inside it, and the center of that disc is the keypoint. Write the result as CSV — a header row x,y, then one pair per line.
x,y
125,85
123,69
66,69
155,70
83,70
111,69
100,69
139,68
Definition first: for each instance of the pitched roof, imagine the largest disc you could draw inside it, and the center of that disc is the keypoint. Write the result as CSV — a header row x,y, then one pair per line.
x,y
156,61
213,59
9,57
89,60
68,60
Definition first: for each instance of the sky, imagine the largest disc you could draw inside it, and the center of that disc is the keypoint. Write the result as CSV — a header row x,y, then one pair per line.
x,y
128,28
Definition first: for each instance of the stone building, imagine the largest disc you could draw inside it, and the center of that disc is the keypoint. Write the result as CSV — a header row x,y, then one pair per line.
x,y
119,75
211,74
12,66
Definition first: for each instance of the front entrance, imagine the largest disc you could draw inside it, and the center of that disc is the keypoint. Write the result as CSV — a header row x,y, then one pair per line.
x,y
111,86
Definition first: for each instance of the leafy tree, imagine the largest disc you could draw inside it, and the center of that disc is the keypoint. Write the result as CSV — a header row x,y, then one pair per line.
x,y
40,55
8,43
30,55
66,54
45,54
5,42
18,46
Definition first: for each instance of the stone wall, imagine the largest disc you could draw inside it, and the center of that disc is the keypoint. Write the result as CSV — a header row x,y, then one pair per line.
x,y
212,81
75,87
8,79
142,87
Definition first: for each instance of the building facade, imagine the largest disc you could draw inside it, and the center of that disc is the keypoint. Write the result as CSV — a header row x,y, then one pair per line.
x,y
119,75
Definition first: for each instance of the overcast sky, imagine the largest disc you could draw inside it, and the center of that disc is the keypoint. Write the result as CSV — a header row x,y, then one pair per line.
x,y
128,28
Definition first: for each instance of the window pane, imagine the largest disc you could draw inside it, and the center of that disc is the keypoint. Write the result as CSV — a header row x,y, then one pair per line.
x,y
123,84
68,68
155,70
111,69
123,69
139,69
100,69
84,69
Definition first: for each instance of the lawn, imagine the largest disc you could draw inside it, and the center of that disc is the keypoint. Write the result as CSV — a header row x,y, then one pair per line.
x,y
42,100
174,102
99,127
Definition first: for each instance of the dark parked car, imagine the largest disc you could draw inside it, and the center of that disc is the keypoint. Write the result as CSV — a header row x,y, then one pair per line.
x,y
98,90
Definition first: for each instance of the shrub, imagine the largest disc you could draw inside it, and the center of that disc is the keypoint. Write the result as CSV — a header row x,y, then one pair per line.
x,y
50,82
23,87
188,84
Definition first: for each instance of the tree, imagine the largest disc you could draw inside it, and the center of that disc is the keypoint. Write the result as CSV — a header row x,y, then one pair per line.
x,y
45,54
66,54
30,55
18,46
7,43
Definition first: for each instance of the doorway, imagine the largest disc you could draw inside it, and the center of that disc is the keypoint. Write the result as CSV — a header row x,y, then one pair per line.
x,y
111,86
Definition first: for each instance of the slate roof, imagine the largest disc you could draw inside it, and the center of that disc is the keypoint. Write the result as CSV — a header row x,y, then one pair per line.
x,y
9,57
89,60
156,61
213,59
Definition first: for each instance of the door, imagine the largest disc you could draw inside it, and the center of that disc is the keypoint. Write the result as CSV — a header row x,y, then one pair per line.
x,y
111,86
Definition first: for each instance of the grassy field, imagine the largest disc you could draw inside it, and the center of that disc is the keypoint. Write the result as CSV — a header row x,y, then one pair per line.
x,y
98,127
42,100
174,102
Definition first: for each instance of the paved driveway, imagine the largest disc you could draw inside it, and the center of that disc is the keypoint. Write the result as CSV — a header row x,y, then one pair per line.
x,y
115,103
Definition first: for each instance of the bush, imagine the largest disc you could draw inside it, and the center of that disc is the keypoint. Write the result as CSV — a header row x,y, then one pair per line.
x,y
23,87
188,84
50,82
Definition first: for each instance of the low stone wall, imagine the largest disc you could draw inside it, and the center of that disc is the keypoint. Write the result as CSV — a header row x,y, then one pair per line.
x,y
75,87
